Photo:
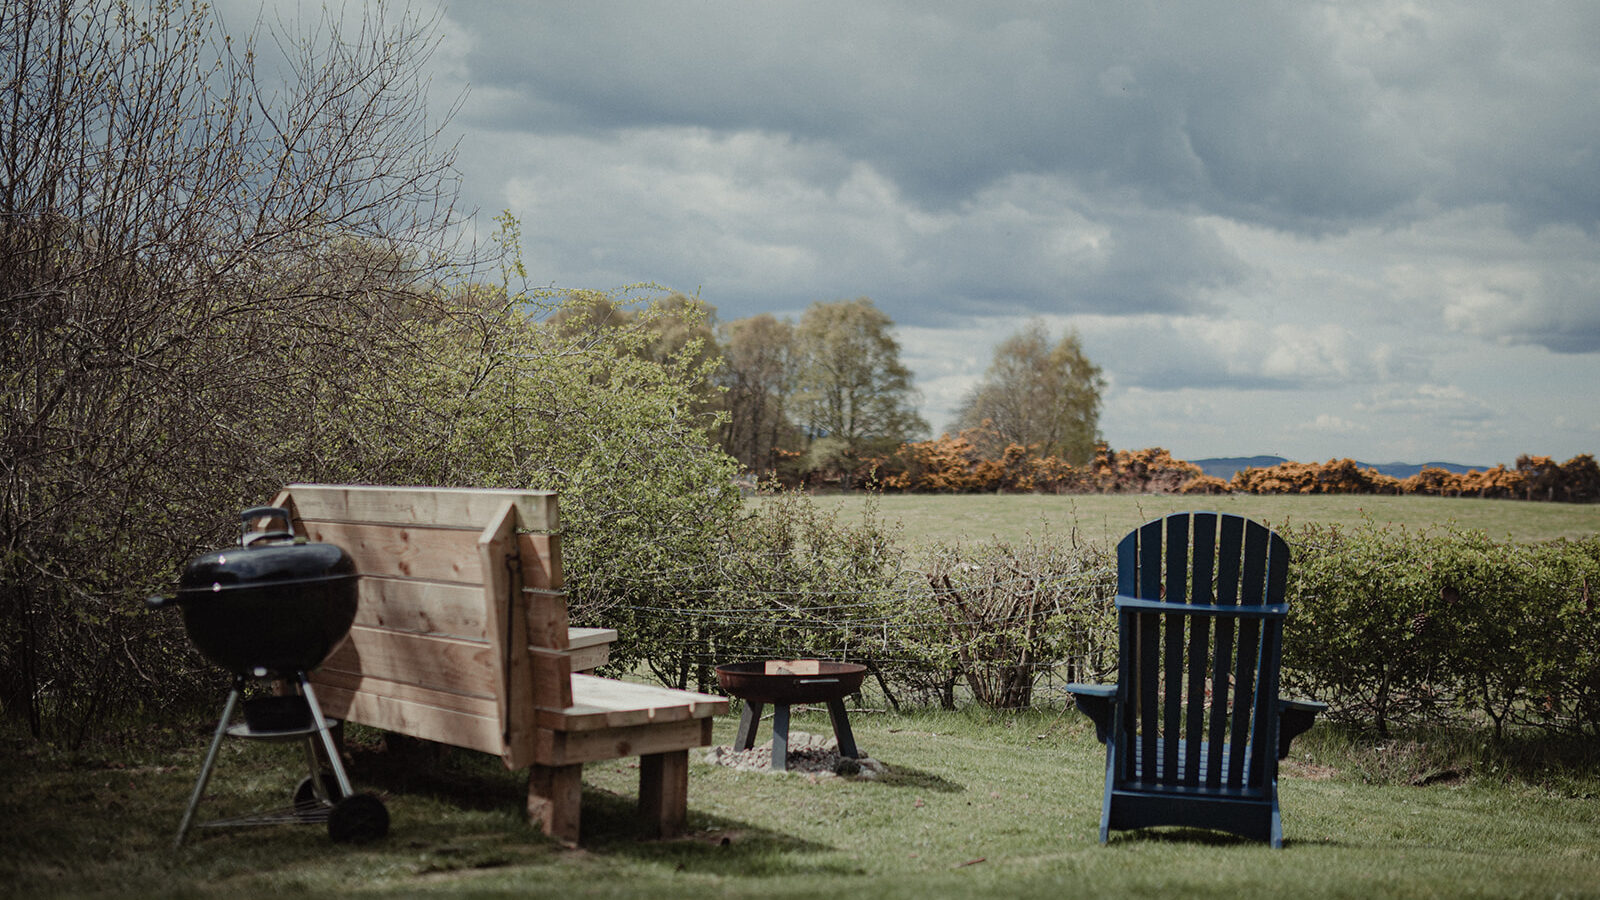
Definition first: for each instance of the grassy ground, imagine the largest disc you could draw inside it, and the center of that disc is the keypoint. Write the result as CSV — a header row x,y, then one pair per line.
x,y
976,804
969,518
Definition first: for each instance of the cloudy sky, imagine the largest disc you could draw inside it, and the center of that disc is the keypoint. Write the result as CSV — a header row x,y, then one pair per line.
x,y
1364,229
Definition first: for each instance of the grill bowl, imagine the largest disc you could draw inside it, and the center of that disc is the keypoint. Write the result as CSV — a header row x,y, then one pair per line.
x,y
273,606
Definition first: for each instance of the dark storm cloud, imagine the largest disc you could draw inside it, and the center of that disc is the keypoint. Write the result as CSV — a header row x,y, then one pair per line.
x,y
1273,113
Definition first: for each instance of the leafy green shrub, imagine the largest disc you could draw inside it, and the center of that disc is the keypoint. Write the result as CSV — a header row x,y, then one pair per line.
x,y
1444,626
784,580
1564,678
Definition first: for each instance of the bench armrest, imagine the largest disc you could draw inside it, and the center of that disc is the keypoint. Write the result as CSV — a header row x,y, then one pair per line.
x,y
1095,701
1294,718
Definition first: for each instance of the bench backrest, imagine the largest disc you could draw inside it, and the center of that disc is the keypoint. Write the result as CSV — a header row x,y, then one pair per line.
x,y
1200,614
462,624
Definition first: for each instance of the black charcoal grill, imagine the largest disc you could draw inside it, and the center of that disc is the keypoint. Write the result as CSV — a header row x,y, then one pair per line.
x,y
274,608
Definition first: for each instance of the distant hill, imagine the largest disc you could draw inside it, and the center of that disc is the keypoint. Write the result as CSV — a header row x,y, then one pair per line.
x,y
1224,466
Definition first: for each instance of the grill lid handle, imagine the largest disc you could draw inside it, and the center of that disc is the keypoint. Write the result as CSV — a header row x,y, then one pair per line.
x,y
247,537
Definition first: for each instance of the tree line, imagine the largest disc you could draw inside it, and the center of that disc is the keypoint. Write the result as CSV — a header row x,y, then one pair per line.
x,y
826,400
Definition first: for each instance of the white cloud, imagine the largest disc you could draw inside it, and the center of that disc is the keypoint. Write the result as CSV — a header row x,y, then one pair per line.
x,y
1326,423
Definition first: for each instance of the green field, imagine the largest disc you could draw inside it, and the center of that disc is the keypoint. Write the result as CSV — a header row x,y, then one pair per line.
x,y
975,804
969,518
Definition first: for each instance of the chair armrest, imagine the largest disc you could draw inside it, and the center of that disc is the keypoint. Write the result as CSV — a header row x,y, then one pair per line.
x,y
1294,718
1095,701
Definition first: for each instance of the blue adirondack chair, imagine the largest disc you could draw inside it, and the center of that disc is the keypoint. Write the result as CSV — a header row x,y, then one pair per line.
x,y
1194,727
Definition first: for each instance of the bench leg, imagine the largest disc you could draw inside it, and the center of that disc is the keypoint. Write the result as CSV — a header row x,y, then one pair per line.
x,y
664,792
555,798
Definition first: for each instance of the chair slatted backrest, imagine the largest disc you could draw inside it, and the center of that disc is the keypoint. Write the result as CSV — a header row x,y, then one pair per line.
x,y
461,626
1200,613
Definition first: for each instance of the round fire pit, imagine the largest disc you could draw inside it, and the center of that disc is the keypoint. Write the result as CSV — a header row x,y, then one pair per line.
x,y
785,682
830,681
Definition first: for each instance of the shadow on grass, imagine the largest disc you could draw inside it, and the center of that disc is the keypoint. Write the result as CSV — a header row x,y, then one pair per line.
x,y
1202,837
610,821
899,776
1180,835
437,772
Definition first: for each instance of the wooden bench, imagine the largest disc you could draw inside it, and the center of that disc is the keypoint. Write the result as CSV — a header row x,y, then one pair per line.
x,y
461,637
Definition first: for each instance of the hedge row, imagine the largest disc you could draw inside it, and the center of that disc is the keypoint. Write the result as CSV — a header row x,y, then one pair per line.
x,y
1390,627
1393,626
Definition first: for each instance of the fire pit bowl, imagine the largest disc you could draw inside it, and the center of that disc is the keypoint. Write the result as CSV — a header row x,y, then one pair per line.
x,y
832,681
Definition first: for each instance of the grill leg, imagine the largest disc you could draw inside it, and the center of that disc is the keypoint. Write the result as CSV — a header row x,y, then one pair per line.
x,y
319,791
328,745
205,769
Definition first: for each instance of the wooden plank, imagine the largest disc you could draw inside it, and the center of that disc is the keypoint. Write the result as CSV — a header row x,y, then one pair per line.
x,y
1244,698
409,551
469,508
1204,568
1149,658
431,661
664,792
1221,680
1128,565
607,703
508,639
547,619
399,690
587,659
589,648
1150,561
424,607
582,638
1253,590
555,748
552,678
447,726
555,800
541,560
1229,554
792,667
1175,589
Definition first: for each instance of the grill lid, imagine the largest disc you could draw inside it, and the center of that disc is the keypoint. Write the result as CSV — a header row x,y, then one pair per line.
x,y
261,564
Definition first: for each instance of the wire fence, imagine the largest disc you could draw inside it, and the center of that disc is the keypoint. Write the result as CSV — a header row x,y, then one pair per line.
x,y
1003,630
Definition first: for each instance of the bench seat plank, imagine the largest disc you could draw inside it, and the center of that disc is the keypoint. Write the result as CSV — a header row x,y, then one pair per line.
x,y
599,703
564,748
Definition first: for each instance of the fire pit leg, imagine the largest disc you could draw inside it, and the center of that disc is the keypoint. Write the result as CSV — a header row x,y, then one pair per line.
x,y
749,721
780,737
841,729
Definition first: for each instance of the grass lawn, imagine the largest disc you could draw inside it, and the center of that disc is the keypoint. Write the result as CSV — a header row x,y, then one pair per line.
x,y
976,804
972,518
